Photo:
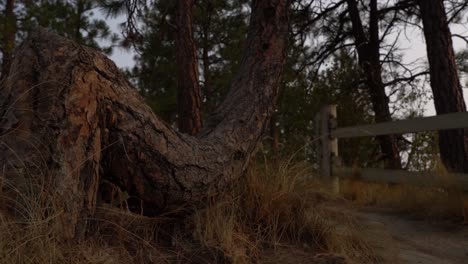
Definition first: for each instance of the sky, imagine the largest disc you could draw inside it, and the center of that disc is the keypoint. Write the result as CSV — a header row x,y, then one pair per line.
x,y
122,58
412,43
415,49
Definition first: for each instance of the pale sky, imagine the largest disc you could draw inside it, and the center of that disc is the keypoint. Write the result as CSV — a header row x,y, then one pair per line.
x,y
123,58
416,50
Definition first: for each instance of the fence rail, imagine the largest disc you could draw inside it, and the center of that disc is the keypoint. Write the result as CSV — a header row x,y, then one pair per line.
x,y
329,162
433,123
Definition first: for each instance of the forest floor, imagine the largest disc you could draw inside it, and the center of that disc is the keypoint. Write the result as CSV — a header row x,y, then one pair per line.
x,y
405,239
274,215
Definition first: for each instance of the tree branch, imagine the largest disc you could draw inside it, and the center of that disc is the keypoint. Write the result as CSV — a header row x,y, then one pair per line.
x,y
405,79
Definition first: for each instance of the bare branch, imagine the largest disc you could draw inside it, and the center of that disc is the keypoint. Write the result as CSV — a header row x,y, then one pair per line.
x,y
406,79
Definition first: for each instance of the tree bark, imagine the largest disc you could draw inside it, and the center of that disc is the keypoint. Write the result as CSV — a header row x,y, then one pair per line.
x,y
69,114
368,48
188,88
8,37
445,83
274,135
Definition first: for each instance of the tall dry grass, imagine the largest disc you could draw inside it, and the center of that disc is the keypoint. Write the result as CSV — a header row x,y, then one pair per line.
x,y
29,231
446,201
267,216
277,208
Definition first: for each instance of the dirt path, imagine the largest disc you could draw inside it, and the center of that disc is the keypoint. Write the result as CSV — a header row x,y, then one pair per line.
x,y
415,241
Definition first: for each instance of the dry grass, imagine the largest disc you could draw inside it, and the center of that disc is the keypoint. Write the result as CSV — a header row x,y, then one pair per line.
x,y
447,202
274,214
274,211
29,233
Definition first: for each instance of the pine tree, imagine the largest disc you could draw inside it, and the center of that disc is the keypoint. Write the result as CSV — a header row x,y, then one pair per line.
x,y
75,19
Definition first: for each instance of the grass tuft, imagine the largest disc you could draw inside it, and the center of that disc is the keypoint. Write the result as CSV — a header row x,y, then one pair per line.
x,y
277,208
275,213
444,202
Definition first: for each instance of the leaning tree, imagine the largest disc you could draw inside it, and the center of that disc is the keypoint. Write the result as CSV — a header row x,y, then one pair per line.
x,y
68,114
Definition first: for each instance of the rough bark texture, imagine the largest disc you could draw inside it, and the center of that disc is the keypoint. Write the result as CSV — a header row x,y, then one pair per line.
x,y
445,83
188,88
8,37
368,48
69,114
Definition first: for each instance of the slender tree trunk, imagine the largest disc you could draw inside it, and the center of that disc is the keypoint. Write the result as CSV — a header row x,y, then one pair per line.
x,y
188,92
445,83
274,135
79,14
70,115
207,87
8,36
368,48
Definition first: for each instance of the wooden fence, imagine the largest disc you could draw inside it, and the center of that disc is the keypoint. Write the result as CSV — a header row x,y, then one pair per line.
x,y
328,133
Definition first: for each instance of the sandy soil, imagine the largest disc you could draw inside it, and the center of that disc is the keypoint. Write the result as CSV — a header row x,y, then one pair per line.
x,y
395,237
409,241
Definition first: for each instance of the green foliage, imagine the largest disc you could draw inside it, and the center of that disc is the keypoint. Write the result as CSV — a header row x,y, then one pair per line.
x,y
302,98
155,67
422,152
77,20
219,30
7,25
462,62
113,8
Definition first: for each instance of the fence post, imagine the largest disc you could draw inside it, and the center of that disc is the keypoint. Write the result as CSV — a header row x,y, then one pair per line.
x,y
328,147
318,141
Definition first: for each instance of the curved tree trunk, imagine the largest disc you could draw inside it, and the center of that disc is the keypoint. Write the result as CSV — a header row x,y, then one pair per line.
x,y
188,88
445,83
69,114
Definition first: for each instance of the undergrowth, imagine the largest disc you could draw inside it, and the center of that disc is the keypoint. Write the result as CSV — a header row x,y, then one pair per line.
x,y
273,213
443,201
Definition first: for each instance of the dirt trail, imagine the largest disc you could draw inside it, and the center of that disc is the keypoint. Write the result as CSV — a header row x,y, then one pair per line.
x,y
415,241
